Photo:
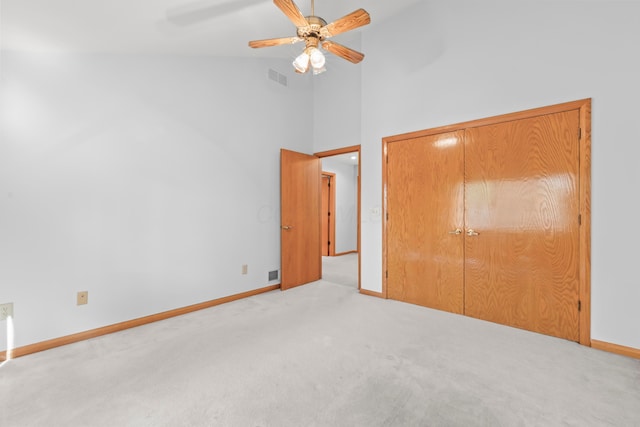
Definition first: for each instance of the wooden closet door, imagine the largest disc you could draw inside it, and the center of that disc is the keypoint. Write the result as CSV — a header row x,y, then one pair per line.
x,y
425,195
522,198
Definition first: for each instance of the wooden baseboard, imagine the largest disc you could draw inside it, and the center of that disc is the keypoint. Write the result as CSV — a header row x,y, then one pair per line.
x,y
345,253
81,336
371,293
616,348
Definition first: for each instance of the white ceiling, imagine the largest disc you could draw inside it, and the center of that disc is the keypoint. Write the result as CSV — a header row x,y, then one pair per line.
x,y
191,27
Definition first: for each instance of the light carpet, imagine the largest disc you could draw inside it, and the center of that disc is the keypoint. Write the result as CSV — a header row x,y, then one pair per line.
x,y
321,355
342,270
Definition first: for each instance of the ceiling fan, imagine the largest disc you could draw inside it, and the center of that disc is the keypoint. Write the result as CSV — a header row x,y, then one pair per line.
x,y
315,31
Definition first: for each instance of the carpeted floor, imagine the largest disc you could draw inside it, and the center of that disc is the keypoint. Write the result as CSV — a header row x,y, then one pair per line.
x,y
321,355
342,270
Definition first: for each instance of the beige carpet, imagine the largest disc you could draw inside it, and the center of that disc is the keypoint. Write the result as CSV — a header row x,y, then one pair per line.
x,y
342,270
321,355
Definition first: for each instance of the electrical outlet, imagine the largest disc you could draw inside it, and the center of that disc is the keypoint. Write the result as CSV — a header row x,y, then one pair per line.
x,y
6,311
245,268
83,297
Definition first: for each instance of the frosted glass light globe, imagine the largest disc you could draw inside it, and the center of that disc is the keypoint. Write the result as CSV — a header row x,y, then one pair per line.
x,y
317,58
301,63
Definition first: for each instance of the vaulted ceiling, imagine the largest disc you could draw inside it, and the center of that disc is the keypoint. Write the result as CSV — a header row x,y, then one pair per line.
x,y
190,27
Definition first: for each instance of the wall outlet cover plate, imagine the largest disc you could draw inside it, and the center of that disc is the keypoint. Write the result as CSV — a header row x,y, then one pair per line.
x,y
6,311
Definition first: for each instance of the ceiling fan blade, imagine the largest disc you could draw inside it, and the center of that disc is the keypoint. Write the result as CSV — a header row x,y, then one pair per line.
x,y
343,51
349,22
274,42
292,11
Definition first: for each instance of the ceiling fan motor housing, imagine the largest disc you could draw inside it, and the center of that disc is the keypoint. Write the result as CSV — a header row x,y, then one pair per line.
x,y
313,29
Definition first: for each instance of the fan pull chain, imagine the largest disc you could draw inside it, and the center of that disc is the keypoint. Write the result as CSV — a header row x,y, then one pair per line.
x,y
313,11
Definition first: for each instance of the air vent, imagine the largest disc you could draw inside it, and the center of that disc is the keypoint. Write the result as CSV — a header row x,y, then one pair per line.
x,y
273,275
277,77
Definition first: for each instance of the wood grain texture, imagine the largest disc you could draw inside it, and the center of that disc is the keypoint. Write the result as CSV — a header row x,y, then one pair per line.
x,y
372,293
338,151
584,270
585,226
385,212
522,196
557,108
328,214
256,44
300,211
93,333
345,253
617,349
343,52
349,22
325,218
425,191
289,8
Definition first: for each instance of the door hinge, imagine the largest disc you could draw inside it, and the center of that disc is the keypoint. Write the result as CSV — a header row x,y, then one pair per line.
x,y
580,219
579,305
387,216
579,133
329,243
387,274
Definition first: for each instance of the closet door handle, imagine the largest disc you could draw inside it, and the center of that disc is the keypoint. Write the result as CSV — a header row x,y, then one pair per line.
x,y
287,227
456,231
471,232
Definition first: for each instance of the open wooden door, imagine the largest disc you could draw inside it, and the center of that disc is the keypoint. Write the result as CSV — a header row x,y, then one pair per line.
x,y
300,210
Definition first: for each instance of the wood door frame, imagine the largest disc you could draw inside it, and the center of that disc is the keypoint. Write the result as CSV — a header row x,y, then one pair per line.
x,y
332,210
584,108
347,150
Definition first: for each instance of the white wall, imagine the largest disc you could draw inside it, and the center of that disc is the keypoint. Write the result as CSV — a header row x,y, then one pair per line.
x,y
346,214
147,181
444,62
337,100
130,177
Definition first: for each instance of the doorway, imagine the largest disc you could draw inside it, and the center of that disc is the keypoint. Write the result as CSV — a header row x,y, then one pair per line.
x,y
301,213
341,167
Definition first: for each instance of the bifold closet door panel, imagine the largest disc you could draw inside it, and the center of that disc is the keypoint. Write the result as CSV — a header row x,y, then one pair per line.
x,y
425,196
522,207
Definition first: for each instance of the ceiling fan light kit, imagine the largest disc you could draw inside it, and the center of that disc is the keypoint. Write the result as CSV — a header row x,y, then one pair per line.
x,y
313,57
315,31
